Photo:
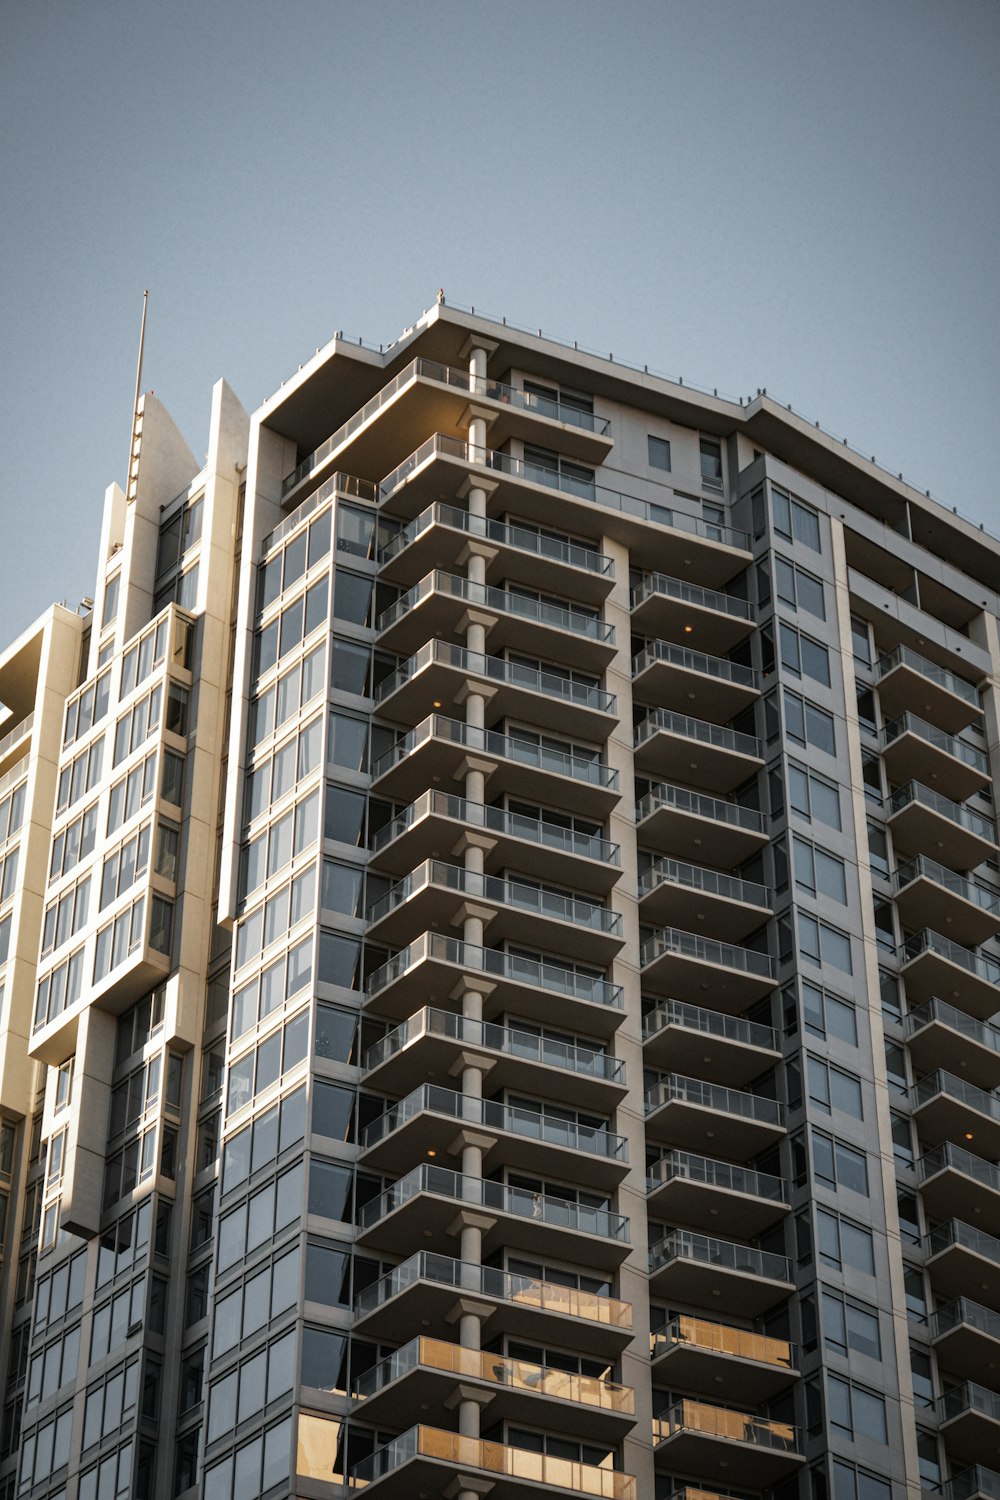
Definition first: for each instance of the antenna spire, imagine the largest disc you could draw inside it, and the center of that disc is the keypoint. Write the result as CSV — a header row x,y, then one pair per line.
x,y
129,486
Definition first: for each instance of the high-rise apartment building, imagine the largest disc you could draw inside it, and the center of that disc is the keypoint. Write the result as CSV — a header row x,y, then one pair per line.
x,y
498,915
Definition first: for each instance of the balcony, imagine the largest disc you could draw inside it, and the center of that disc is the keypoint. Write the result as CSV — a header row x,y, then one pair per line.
x,y
424,1375
709,687
696,1438
949,1108
426,394
430,969
908,682
972,1484
694,1354
935,966
923,821
672,745
939,1035
672,609
430,1044
702,900
689,825
955,1184
687,967
666,538
438,604
440,674
427,1459
914,750
424,1291
728,1278
929,892
966,1339
970,1422
961,1258
15,742
432,1120
435,894
424,1204
438,822
440,748
695,1115
698,1192
439,538
733,1050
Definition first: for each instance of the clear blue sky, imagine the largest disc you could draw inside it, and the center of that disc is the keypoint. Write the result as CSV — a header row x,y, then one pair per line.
x,y
748,193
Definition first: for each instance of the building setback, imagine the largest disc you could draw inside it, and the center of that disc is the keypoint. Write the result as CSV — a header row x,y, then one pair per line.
x,y
498,915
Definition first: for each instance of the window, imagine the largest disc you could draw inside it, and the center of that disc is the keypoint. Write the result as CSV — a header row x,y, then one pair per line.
x,y
710,452
179,532
12,810
831,1088
807,724
854,1411
110,1403
76,842
296,621
836,1164
278,774
112,587
87,708
138,1026
658,452
292,691
355,531
132,792
245,1391
254,1302
878,850
795,521
923,1377
821,944
277,845
850,1325
59,989
256,1146
65,916
254,1468
264,1064
280,981
798,589
118,939
861,641
283,569
854,1484
841,1243
827,1015
802,656
64,1084
271,921
902,1140
125,866
75,780
818,873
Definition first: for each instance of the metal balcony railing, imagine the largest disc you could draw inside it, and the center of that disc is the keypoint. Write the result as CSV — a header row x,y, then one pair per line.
x,y
441,1181
534,972
498,601
719,667
498,1286
496,669
722,1339
519,538
908,723
491,1115
711,1023
665,721
498,820
964,1237
969,1397
959,885
955,812
510,893
682,1244
666,871
462,1453
940,1082
938,1010
713,808
949,1155
683,1165
903,656
719,1421
980,964
506,747
972,1483
961,1311
661,585
706,950
526,1045
674,1088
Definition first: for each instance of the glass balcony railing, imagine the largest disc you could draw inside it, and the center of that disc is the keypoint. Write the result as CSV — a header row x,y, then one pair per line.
x,y
722,1339
337,484
520,538
510,893
498,820
536,973
669,940
939,1158
710,1023
969,1397
903,656
673,1088
463,1453
940,1082
681,800
580,767
955,812
908,723
938,1010
497,1369
526,1045
19,732
498,601
719,667
498,1286
663,720
660,585
531,1124
971,1484
980,964
441,1181
682,1244
719,1421
959,885
683,1166
963,1237
647,511
962,1312
666,871
496,669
